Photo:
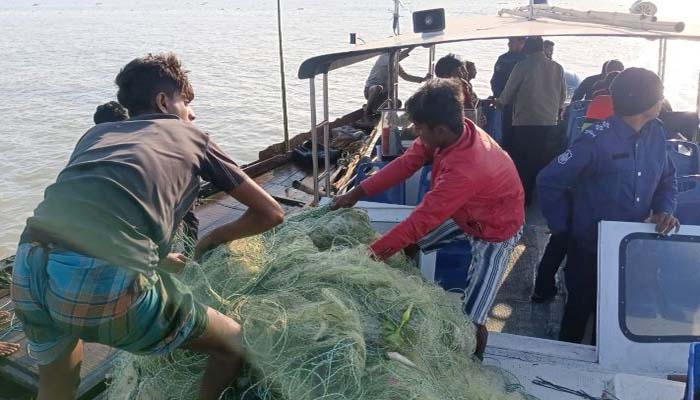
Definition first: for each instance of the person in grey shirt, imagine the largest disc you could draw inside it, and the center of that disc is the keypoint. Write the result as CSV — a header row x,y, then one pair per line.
x,y
101,239
377,84
536,90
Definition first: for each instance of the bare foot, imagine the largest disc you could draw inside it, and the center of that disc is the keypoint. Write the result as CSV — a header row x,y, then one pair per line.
x,y
8,348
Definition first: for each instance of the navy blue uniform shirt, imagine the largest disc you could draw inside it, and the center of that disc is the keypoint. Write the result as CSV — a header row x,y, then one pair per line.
x,y
501,71
613,173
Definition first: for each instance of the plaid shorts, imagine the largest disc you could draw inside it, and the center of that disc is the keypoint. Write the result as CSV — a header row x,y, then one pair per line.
x,y
488,265
62,296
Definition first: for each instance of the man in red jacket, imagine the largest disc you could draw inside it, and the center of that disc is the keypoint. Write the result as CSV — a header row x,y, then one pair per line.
x,y
475,193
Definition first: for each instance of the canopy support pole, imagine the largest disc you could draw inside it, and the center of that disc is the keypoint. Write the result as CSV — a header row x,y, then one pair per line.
x,y
662,58
697,106
431,61
397,29
285,118
326,137
314,137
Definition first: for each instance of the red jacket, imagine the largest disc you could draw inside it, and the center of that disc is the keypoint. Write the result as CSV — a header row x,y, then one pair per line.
x,y
473,181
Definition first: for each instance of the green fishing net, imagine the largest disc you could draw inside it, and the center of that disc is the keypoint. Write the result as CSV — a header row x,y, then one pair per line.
x,y
322,320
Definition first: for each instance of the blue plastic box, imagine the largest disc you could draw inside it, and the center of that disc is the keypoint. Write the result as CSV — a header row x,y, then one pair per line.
x,y
394,195
452,265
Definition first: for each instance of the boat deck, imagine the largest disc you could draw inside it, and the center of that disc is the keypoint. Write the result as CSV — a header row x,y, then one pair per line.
x,y
513,312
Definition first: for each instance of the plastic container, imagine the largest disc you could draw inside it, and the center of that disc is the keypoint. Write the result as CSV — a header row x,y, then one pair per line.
x,y
452,265
424,185
394,195
685,156
688,200
391,132
303,154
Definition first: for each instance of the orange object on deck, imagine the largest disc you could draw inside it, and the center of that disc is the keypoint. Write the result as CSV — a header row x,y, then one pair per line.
x,y
601,108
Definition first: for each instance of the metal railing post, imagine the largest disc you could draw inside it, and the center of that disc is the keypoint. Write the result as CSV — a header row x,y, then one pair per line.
x,y
431,61
395,88
314,137
697,106
326,136
662,58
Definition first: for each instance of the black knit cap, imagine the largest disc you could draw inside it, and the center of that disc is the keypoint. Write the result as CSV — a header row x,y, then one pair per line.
x,y
635,90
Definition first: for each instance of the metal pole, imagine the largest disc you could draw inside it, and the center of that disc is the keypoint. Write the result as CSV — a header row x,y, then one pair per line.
x,y
326,136
314,137
532,10
395,88
285,119
431,61
697,107
662,59
392,78
397,30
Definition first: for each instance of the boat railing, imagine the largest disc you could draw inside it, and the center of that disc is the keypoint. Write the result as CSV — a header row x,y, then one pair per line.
x,y
325,125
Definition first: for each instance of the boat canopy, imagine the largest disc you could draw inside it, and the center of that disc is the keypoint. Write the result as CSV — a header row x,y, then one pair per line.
x,y
483,28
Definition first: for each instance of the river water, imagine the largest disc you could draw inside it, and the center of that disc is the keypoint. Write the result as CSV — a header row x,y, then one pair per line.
x,y
58,60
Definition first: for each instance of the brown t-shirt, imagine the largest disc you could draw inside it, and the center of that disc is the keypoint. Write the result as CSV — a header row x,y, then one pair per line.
x,y
126,188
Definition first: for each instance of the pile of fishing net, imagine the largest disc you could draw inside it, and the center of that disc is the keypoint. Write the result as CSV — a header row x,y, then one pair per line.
x,y
322,320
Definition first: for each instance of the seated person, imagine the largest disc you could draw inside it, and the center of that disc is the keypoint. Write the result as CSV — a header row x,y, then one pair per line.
x,y
618,170
452,66
475,194
377,84
95,261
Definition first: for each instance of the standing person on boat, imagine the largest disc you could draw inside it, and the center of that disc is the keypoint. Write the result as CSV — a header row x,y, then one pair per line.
x,y
505,64
617,171
537,91
572,80
501,72
585,89
475,194
94,262
377,84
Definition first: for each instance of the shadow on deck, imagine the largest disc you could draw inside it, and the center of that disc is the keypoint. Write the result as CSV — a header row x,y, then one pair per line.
x,y
513,312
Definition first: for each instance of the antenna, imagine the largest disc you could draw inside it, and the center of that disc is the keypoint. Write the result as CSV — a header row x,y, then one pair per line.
x,y
285,119
397,30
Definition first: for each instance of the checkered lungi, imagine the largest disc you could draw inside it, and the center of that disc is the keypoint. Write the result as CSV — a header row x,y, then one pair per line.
x,y
62,296
488,265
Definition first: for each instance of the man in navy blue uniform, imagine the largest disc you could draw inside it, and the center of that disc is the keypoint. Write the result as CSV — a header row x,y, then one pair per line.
x,y
617,171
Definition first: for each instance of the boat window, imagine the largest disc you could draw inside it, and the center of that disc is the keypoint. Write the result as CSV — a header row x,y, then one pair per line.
x,y
660,288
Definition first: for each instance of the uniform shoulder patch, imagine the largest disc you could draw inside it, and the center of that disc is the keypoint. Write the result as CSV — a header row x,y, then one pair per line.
x,y
590,132
565,157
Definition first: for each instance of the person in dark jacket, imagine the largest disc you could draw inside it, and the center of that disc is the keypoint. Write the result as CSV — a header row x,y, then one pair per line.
x,y
501,72
505,64
537,91
617,171
585,89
